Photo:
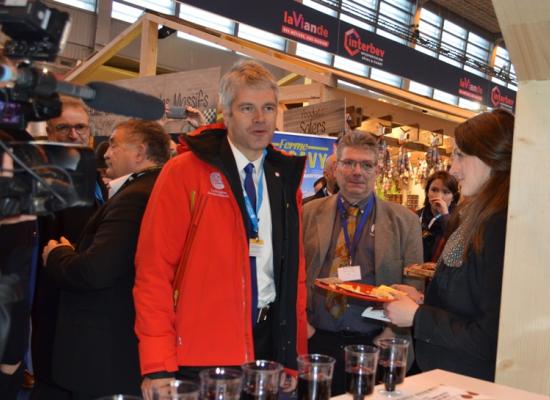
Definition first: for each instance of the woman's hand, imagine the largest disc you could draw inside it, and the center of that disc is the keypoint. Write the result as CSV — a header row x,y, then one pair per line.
x,y
401,311
440,206
411,291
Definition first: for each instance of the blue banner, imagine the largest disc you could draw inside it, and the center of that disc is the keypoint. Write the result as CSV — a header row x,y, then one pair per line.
x,y
316,148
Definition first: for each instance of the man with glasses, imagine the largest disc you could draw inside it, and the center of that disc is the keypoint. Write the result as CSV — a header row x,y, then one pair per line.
x,y
71,127
357,237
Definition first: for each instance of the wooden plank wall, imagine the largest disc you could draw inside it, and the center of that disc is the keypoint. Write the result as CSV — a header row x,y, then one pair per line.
x,y
524,340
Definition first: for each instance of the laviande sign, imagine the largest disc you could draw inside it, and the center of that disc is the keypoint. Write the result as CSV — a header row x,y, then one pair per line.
x,y
306,25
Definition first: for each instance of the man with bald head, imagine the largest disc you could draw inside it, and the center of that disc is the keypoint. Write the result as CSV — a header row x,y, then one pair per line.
x,y
330,177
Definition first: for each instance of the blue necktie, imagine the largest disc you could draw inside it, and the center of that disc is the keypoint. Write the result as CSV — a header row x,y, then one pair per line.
x,y
99,194
251,193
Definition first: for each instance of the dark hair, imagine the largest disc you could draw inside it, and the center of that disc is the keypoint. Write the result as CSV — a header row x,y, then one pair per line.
x,y
449,182
152,135
100,151
357,140
489,137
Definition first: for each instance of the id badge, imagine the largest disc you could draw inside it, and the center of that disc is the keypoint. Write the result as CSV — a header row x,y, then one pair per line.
x,y
349,273
256,247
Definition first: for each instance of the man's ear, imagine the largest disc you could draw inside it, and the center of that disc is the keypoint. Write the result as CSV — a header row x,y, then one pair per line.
x,y
141,153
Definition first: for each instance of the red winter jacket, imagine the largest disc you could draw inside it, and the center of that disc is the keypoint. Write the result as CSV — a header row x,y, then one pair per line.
x,y
196,209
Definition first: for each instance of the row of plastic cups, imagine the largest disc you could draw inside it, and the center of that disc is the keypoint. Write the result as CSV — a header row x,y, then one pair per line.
x,y
261,379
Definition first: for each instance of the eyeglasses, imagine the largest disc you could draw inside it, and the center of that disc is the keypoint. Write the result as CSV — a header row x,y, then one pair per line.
x,y
349,165
65,129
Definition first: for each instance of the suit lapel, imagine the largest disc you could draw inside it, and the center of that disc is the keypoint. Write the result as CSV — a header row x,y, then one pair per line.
x,y
324,224
381,240
275,190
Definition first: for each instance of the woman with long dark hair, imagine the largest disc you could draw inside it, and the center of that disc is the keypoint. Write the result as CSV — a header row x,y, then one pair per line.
x,y
442,196
456,328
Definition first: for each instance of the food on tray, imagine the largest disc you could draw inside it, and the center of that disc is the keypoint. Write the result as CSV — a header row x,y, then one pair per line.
x,y
425,270
385,292
382,291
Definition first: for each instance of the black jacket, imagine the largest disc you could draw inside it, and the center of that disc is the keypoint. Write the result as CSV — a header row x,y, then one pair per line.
x,y
95,350
457,327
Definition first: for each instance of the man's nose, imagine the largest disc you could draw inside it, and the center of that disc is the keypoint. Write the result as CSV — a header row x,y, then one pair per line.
x,y
72,133
259,116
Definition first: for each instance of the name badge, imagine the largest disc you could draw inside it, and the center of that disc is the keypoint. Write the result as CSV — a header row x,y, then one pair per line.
x,y
256,247
349,273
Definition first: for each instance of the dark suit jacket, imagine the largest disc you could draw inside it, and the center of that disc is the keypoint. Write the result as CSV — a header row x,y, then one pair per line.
x,y
69,223
95,350
318,195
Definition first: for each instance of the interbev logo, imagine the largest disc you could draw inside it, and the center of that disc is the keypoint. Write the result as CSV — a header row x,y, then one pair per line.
x,y
355,45
500,100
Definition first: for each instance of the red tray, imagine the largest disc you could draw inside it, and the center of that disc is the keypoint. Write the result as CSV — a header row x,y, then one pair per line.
x,y
363,287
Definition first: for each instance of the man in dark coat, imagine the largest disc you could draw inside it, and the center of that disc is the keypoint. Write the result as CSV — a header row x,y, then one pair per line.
x,y
95,348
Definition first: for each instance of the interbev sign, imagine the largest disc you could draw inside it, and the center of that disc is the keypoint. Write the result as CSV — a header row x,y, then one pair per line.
x,y
314,28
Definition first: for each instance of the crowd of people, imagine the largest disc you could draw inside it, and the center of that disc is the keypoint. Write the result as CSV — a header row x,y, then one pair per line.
x,y
209,258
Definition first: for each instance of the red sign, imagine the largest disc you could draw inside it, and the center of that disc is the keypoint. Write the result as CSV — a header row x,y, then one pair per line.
x,y
353,44
295,24
499,100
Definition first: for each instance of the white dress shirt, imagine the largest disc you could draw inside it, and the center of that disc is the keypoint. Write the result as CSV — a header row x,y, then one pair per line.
x,y
115,184
264,262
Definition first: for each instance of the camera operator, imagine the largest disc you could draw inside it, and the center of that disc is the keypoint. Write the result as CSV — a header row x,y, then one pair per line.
x,y
72,126
17,242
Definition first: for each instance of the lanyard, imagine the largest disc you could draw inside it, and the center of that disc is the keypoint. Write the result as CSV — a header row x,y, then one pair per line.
x,y
432,221
362,221
253,214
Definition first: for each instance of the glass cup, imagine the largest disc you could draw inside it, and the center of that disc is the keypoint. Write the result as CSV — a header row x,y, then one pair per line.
x,y
176,390
221,383
261,380
361,363
315,376
392,364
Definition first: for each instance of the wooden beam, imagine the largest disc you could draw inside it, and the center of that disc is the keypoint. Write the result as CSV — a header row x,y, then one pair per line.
x,y
288,79
83,71
523,357
149,48
525,24
300,93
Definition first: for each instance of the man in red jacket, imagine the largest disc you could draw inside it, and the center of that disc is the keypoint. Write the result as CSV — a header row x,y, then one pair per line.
x,y
220,269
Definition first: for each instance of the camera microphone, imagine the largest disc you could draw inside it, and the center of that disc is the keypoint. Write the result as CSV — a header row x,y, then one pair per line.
x,y
115,99
100,96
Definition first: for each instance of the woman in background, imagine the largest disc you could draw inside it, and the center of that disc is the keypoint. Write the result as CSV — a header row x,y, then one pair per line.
x,y
442,195
456,328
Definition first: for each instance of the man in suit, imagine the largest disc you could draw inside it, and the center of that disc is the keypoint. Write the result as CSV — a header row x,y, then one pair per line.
x,y
71,127
357,235
220,276
331,186
95,348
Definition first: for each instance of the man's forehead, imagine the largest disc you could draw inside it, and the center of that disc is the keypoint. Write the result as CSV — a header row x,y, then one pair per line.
x,y
73,113
117,135
253,95
358,152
